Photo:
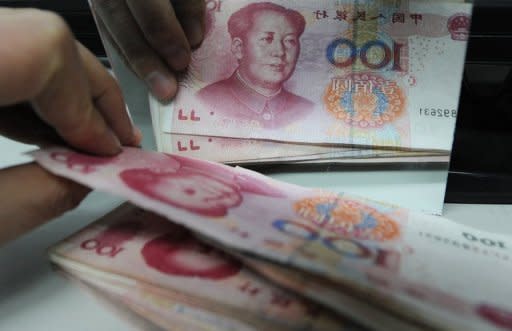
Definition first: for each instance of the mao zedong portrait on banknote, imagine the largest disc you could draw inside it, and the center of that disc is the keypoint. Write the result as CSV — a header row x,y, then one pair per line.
x,y
181,254
265,42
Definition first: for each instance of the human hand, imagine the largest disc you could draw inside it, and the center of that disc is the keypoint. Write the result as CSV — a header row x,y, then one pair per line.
x,y
155,37
53,89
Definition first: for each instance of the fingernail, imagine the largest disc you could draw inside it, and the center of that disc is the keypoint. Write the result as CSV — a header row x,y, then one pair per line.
x,y
161,86
116,148
177,57
137,136
194,31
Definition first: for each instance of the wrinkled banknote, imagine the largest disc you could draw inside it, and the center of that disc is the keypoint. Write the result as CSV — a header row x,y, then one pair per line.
x,y
142,258
421,267
368,73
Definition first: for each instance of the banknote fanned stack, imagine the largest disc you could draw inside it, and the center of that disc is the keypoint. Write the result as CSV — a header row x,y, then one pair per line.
x,y
320,81
206,246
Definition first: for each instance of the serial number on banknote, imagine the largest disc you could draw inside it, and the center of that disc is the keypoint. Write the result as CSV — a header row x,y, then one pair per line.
x,y
438,112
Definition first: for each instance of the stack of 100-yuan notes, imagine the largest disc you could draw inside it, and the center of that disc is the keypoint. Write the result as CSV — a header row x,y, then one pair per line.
x,y
212,247
320,81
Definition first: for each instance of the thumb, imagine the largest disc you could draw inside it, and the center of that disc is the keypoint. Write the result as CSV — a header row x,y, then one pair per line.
x,y
30,196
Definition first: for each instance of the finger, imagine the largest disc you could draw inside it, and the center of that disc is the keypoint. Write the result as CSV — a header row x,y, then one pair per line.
x,y
116,18
191,14
40,63
108,99
22,208
162,30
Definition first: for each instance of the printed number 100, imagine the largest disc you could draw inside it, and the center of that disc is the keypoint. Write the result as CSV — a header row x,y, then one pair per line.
x,y
342,60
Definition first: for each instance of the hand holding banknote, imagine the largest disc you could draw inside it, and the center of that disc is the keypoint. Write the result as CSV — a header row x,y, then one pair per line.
x,y
369,73
53,89
154,37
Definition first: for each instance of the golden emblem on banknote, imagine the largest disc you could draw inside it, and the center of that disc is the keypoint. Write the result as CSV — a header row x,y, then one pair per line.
x,y
365,100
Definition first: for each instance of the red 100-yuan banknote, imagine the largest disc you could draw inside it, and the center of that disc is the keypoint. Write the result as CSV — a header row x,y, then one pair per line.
x,y
374,73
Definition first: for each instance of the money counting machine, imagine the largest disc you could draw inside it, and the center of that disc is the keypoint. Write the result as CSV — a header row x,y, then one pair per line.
x,y
481,163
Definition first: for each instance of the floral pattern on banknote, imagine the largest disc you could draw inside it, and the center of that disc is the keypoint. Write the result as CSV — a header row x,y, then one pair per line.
x,y
365,100
348,217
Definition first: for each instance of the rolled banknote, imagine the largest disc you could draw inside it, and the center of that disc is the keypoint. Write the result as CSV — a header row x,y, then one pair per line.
x,y
368,73
143,256
421,267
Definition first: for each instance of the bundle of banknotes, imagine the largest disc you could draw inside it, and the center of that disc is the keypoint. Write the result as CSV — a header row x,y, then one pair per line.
x,y
320,81
206,246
